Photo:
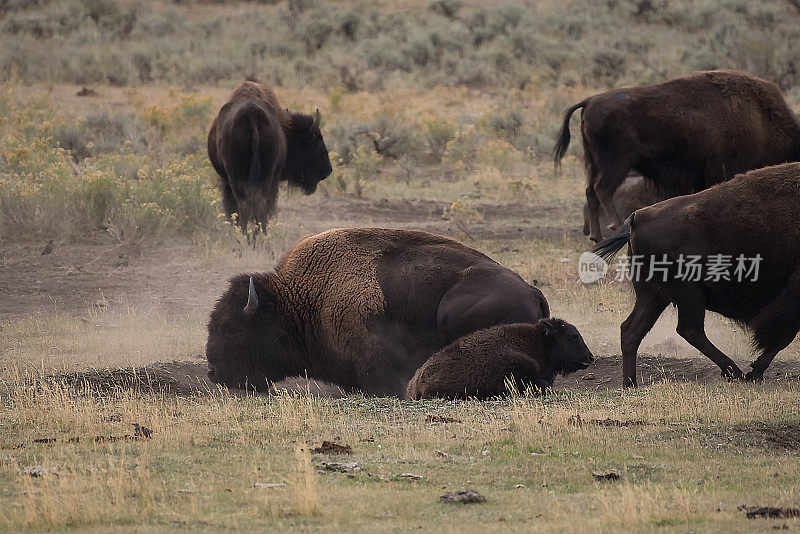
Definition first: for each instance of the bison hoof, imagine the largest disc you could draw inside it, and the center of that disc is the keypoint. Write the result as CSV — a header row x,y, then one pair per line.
x,y
753,376
732,375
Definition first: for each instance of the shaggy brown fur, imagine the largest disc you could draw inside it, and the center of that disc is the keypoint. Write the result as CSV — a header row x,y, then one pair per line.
x,y
254,144
683,135
361,308
479,364
635,192
754,214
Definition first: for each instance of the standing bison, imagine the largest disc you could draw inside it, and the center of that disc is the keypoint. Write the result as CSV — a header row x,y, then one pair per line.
x,y
481,364
361,308
733,249
254,144
683,135
633,193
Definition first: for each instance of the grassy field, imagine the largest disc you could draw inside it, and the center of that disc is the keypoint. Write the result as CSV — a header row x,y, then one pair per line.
x,y
439,116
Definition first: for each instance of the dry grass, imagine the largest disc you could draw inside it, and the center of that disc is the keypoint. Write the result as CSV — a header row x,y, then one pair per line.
x,y
698,455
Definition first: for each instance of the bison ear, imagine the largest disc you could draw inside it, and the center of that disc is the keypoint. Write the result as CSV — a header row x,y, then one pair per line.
x,y
252,300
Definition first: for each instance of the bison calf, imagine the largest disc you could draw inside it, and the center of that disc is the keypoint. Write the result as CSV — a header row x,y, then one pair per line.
x,y
479,364
733,249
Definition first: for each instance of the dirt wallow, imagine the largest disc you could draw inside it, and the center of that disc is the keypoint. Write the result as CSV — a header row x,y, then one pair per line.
x,y
189,378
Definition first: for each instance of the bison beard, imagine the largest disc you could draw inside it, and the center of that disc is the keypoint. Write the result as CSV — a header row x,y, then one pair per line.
x,y
361,308
683,135
254,144
481,363
753,215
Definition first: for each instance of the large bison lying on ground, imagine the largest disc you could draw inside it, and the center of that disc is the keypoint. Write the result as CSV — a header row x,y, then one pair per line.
x,y
524,355
683,135
733,249
361,308
254,144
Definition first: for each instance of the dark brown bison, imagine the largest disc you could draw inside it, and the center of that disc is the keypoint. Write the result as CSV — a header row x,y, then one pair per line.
x,y
683,135
254,144
481,363
733,249
633,193
361,308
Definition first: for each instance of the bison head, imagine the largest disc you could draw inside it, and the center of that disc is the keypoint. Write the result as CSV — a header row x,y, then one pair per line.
x,y
568,353
307,161
248,342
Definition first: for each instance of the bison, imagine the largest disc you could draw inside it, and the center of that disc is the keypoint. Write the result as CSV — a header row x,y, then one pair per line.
x,y
482,363
635,192
733,249
254,144
683,135
361,308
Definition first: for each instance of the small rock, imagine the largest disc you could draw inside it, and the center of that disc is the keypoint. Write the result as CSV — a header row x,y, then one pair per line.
x,y
441,419
466,496
39,471
700,481
86,91
268,485
410,476
611,474
588,376
141,431
340,467
329,447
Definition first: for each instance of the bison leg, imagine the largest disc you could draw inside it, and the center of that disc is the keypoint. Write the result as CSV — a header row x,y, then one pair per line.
x,y
593,207
691,327
775,326
610,179
229,203
648,308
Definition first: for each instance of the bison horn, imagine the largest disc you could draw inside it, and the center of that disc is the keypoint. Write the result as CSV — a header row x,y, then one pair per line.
x,y
315,124
252,300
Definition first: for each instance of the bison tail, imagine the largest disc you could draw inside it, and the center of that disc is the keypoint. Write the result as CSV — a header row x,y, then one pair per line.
x,y
608,248
563,139
255,156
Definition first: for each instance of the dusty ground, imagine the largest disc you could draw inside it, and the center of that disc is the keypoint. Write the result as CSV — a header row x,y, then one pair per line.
x,y
181,278
184,279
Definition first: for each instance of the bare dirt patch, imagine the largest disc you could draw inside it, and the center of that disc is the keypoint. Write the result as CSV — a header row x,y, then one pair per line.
x,y
189,378
769,512
775,436
179,277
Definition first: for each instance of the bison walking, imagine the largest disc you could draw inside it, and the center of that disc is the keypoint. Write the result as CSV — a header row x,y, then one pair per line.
x,y
683,135
361,308
749,225
254,144
479,364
